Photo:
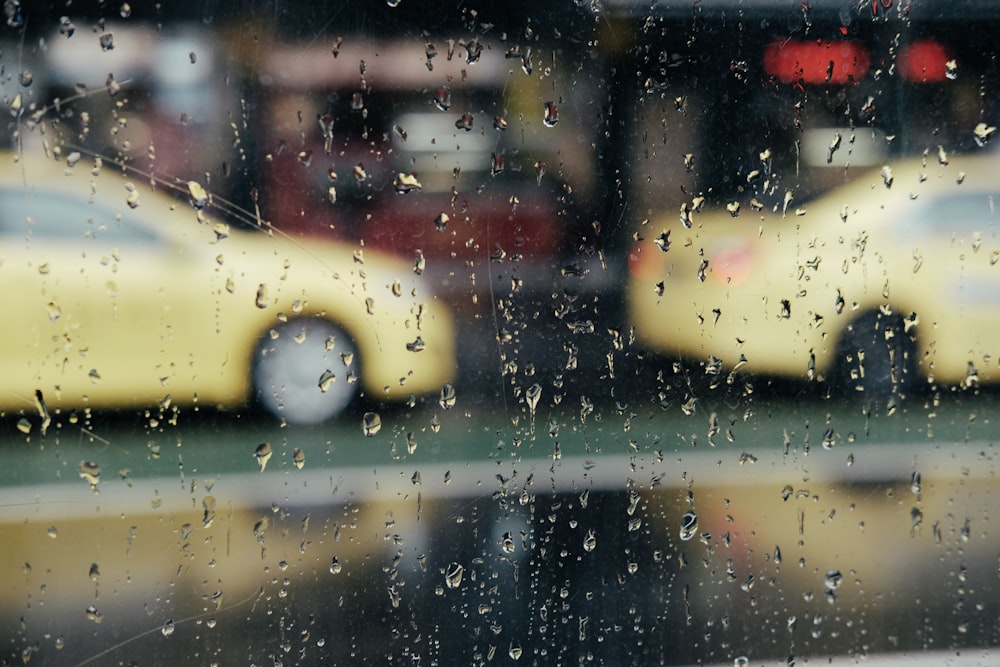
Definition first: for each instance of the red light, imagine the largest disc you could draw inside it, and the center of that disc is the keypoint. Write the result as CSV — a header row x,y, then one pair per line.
x,y
733,264
923,62
818,62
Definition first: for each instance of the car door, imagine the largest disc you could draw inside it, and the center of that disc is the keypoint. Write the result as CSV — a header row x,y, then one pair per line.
x,y
103,309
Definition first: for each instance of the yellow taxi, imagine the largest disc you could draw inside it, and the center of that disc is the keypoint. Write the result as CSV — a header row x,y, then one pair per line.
x,y
882,283
119,293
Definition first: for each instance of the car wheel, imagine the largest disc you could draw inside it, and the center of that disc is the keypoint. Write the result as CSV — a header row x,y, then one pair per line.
x,y
877,357
305,371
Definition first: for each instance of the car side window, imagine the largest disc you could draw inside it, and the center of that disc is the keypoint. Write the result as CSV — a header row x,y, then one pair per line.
x,y
960,213
45,214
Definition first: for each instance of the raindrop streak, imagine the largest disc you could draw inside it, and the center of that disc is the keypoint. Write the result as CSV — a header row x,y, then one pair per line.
x,y
689,525
263,455
532,396
371,424
208,515
454,574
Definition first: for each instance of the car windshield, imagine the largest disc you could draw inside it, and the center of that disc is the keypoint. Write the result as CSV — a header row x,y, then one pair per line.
x,y
474,333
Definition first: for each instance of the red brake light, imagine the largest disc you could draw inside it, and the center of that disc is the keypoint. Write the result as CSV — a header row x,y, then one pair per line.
x,y
732,264
816,62
642,262
924,61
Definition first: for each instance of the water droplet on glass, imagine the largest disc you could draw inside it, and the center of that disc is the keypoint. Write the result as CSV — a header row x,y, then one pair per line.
x,y
107,41
887,176
702,268
832,580
689,526
326,379
263,455
168,628
371,424
93,614
741,661
298,458
942,156
208,513
442,98
91,472
496,163
335,566
951,69
514,652
465,122
590,541
406,183
915,484
112,86
441,221
453,575
507,543
551,114
197,195
261,299
532,395
500,123
829,439
983,133
690,406
448,398
66,26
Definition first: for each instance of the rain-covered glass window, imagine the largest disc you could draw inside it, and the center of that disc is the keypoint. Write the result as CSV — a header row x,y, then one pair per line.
x,y
611,332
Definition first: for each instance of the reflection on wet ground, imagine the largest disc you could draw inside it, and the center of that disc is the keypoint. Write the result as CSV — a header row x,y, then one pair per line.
x,y
519,527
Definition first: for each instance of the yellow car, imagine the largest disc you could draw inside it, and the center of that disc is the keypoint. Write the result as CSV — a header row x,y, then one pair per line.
x,y
886,281
117,294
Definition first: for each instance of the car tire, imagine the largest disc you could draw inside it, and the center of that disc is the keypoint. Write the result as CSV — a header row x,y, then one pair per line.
x,y
877,357
292,361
